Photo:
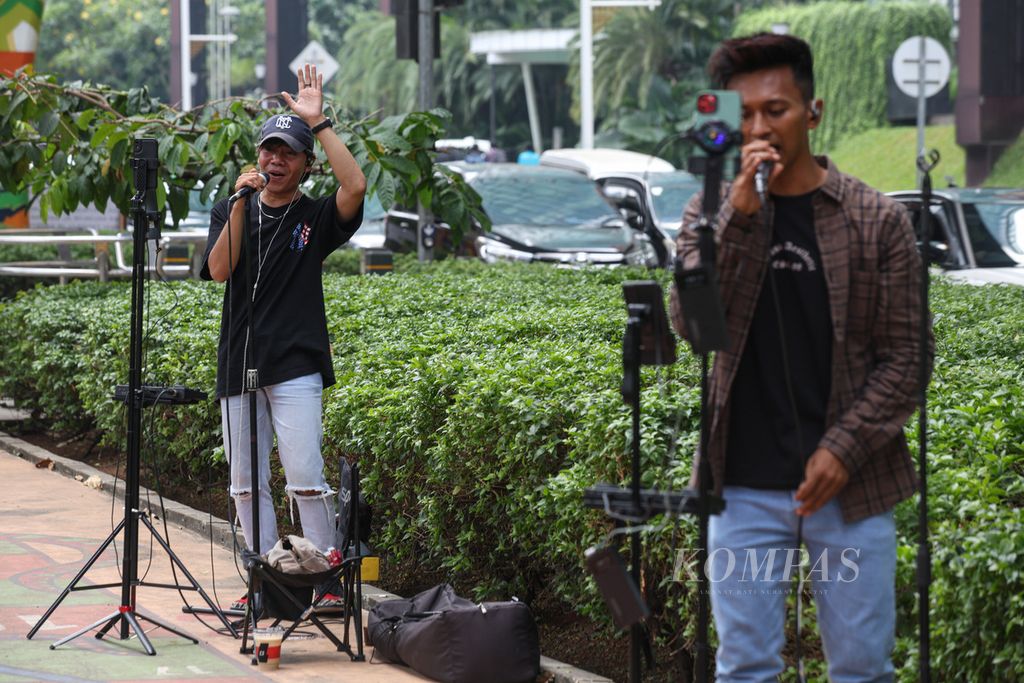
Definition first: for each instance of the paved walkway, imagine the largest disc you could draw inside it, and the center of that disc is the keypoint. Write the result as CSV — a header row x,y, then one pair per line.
x,y
50,525
55,513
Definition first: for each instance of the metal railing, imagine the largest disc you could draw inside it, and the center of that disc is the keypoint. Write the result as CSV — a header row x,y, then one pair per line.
x,y
161,261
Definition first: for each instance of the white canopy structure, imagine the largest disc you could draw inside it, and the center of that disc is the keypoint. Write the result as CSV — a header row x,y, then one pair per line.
x,y
525,48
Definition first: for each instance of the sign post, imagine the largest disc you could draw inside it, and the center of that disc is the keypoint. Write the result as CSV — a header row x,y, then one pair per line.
x,y
315,54
920,68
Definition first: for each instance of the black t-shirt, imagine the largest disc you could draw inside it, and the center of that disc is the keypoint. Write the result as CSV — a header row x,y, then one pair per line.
x,y
762,447
289,321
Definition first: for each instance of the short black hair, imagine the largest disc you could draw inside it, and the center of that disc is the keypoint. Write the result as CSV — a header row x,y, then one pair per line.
x,y
763,51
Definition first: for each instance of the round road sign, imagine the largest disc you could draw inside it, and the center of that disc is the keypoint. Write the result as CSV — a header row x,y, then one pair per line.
x,y
906,66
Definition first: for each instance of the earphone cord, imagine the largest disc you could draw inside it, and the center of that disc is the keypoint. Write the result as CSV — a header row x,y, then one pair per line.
x,y
261,257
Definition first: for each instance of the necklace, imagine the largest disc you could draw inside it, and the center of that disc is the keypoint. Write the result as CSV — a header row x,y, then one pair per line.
x,y
261,256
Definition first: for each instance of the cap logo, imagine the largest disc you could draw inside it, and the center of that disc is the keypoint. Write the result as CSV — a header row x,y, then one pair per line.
x,y
284,122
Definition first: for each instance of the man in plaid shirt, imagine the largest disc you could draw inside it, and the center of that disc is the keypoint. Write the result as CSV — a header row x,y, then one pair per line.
x,y
821,288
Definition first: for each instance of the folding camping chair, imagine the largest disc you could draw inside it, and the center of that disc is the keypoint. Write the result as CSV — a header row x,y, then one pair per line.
x,y
297,598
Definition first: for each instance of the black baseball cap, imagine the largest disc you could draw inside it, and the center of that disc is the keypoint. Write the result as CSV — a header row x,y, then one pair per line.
x,y
289,128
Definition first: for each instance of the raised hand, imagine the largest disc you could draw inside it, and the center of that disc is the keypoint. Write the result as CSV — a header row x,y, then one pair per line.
x,y
309,103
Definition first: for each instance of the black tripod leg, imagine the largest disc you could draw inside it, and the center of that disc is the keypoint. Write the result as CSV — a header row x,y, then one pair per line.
x,y
195,584
74,581
110,624
356,606
167,627
249,620
110,620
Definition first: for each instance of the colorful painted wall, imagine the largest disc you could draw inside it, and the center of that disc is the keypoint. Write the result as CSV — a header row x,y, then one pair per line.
x,y
19,36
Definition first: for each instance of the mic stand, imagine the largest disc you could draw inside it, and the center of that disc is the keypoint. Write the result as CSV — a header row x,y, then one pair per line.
x,y
700,302
924,557
250,385
144,214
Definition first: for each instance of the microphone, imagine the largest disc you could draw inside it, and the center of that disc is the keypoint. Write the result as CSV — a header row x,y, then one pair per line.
x,y
764,170
246,191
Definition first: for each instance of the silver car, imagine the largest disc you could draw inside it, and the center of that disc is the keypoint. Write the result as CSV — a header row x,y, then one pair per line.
x,y
977,233
552,215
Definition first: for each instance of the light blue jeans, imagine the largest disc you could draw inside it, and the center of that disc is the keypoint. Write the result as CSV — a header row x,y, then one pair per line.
x,y
851,567
292,411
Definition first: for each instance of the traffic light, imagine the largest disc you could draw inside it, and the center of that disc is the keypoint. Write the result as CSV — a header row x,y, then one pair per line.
x,y
428,236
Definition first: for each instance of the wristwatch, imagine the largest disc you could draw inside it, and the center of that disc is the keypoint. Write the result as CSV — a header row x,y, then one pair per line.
x,y
326,123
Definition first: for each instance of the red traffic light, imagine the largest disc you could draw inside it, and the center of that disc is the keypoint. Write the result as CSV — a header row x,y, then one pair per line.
x,y
707,103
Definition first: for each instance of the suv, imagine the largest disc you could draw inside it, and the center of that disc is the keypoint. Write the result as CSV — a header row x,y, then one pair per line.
x,y
977,233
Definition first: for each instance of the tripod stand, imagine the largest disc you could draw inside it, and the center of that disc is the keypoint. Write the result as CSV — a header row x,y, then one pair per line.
x,y
144,213
647,341
924,558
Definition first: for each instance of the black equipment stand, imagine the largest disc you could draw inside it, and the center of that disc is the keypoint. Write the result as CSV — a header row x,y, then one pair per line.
x,y
924,556
704,317
647,341
144,215
250,385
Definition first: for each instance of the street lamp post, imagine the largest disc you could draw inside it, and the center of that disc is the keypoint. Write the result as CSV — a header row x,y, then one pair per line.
x,y
587,60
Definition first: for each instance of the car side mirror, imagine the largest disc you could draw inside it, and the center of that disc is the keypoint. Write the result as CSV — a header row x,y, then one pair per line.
x,y
634,218
937,252
623,197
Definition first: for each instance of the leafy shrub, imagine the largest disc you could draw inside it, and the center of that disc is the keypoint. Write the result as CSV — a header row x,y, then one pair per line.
x,y
44,350
343,262
481,401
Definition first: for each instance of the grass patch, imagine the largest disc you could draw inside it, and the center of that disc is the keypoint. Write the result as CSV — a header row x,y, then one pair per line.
x,y
1009,170
885,158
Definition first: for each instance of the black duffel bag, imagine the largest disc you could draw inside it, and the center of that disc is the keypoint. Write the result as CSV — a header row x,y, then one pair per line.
x,y
454,640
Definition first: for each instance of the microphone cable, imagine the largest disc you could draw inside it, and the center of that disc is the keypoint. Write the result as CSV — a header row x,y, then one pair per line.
x,y
801,454
228,442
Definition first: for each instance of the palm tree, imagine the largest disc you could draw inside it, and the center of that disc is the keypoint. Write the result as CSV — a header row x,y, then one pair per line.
x,y
671,42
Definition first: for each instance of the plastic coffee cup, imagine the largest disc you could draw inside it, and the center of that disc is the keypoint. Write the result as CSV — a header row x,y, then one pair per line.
x,y
267,642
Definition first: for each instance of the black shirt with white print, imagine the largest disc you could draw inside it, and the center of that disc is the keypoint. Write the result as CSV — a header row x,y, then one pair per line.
x,y
290,244
762,448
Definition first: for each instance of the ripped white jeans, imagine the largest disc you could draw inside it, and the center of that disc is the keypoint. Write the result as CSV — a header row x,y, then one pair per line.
x,y
290,410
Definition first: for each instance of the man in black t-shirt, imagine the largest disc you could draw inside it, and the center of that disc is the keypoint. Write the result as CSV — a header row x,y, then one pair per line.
x,y
290,236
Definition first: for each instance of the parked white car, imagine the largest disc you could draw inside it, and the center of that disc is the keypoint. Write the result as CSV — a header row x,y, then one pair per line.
x,y
977,233
649,191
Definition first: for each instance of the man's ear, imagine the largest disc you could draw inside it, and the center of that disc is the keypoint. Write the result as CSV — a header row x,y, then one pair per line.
x,y
814,112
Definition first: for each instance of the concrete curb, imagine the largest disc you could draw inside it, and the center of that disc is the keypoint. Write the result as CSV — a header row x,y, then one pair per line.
x,y
203,523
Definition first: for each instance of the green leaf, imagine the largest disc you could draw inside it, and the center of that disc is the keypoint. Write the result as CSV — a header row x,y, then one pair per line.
x,y
48,123
83,119
102,133
401,165
386,190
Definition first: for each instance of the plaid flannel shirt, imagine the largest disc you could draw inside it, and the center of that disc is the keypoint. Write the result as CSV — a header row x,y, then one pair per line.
x,y
873,275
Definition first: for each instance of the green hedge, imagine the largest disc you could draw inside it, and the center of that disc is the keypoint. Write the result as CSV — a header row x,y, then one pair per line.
x,y
852,43
481,400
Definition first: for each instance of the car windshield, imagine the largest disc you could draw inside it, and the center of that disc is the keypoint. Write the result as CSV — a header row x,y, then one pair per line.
x,y
544,199
671,192
994,231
